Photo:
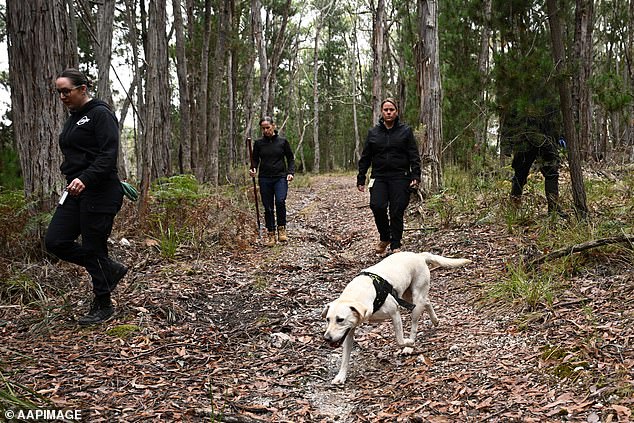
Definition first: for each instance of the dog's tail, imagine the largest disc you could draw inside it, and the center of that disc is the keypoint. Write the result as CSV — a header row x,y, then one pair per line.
x,y
444,261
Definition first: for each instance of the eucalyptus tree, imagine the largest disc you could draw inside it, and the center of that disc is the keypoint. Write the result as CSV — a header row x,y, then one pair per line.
x,y
154,147
574,157
216,88
378,47
429,84
181,62
37,112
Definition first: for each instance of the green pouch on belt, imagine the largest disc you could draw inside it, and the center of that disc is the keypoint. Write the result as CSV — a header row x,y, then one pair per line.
x,y
129,191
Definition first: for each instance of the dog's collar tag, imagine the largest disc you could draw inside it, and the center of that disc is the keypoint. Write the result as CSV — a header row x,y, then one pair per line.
x,y
383,289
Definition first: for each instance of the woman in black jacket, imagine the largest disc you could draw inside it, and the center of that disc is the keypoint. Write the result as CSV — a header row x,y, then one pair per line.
x,y
273,156
391,150
90,143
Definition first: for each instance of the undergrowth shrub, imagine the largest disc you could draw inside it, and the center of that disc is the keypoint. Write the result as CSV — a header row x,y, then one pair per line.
x,y
184,213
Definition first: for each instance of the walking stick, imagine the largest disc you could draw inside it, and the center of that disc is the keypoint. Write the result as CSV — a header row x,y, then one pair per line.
x,y
255,188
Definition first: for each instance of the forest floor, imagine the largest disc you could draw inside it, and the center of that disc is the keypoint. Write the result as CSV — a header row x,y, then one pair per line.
x,y
237,336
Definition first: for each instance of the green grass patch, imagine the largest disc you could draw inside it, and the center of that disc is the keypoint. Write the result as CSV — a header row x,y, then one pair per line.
x,y
532,291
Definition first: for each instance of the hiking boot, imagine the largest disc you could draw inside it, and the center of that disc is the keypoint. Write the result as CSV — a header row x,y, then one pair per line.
x,y
282,236
381,247
101,310
117,272
269,241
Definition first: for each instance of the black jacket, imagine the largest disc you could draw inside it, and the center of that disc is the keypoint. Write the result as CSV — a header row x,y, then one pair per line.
x,y
392,153
274,157
90,144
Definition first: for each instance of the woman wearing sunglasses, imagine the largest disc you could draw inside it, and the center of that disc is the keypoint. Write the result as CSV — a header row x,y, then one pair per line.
x,y
90,143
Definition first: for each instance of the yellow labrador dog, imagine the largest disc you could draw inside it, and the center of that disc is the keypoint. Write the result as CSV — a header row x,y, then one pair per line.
x,y
399,279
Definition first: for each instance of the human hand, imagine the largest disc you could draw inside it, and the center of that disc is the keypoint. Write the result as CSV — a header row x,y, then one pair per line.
x,y
75,187
289,177
361,188
252,172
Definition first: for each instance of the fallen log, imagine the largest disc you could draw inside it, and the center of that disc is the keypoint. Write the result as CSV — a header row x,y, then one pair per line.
x,y
622,239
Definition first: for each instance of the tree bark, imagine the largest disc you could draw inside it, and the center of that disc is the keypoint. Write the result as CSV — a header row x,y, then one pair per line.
x,y
215,93
317,154
185,156
39,48
428,70
574,160
352,63
155,145
256,22
483,68
202,102
584,22
378,35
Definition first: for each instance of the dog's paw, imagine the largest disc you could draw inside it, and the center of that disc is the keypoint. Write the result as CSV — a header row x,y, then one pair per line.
x,y
407,351
339,380
407,343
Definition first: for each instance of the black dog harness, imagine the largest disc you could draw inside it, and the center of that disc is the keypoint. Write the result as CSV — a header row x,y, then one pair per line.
x,y
383,289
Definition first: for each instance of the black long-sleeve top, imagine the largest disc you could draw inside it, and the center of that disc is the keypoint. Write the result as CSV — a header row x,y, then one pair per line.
x,y
392,153
274,157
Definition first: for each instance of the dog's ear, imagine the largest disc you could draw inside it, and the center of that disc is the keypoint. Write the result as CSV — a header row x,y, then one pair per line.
x,y
324,312
360,311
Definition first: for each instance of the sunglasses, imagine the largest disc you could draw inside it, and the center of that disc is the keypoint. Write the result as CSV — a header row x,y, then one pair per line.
x,y
65,92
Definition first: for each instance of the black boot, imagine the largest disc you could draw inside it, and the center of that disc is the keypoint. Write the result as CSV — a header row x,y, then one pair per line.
x,y
116,272
100,311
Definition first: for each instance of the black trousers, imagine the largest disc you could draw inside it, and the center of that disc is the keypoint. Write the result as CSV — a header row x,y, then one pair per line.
x,y
273,192
67,224
522,162
388,200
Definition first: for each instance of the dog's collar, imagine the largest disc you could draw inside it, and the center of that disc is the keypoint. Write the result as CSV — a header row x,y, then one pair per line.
x,y
383,289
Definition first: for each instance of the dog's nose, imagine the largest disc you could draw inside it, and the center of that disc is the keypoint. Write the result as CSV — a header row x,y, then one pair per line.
x,y
327,337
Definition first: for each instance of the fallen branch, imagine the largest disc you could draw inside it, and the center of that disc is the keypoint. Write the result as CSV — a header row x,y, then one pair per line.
x,y
623,239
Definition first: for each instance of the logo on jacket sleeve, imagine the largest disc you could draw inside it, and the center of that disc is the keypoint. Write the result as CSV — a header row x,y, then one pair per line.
x,y
83,120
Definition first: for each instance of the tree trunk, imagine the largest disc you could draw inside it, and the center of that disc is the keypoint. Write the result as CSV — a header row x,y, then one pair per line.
x,y
483,68
215,93
38,113
248,100
352,63
232,78
185,156
584,22
629,140
155,145
428,70
138,72
559,57
378,35
256,22
202,102
317,155
103,48
103,54
278,47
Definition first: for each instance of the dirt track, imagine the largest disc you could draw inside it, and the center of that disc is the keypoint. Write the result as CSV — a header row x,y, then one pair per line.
x,y
238,336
